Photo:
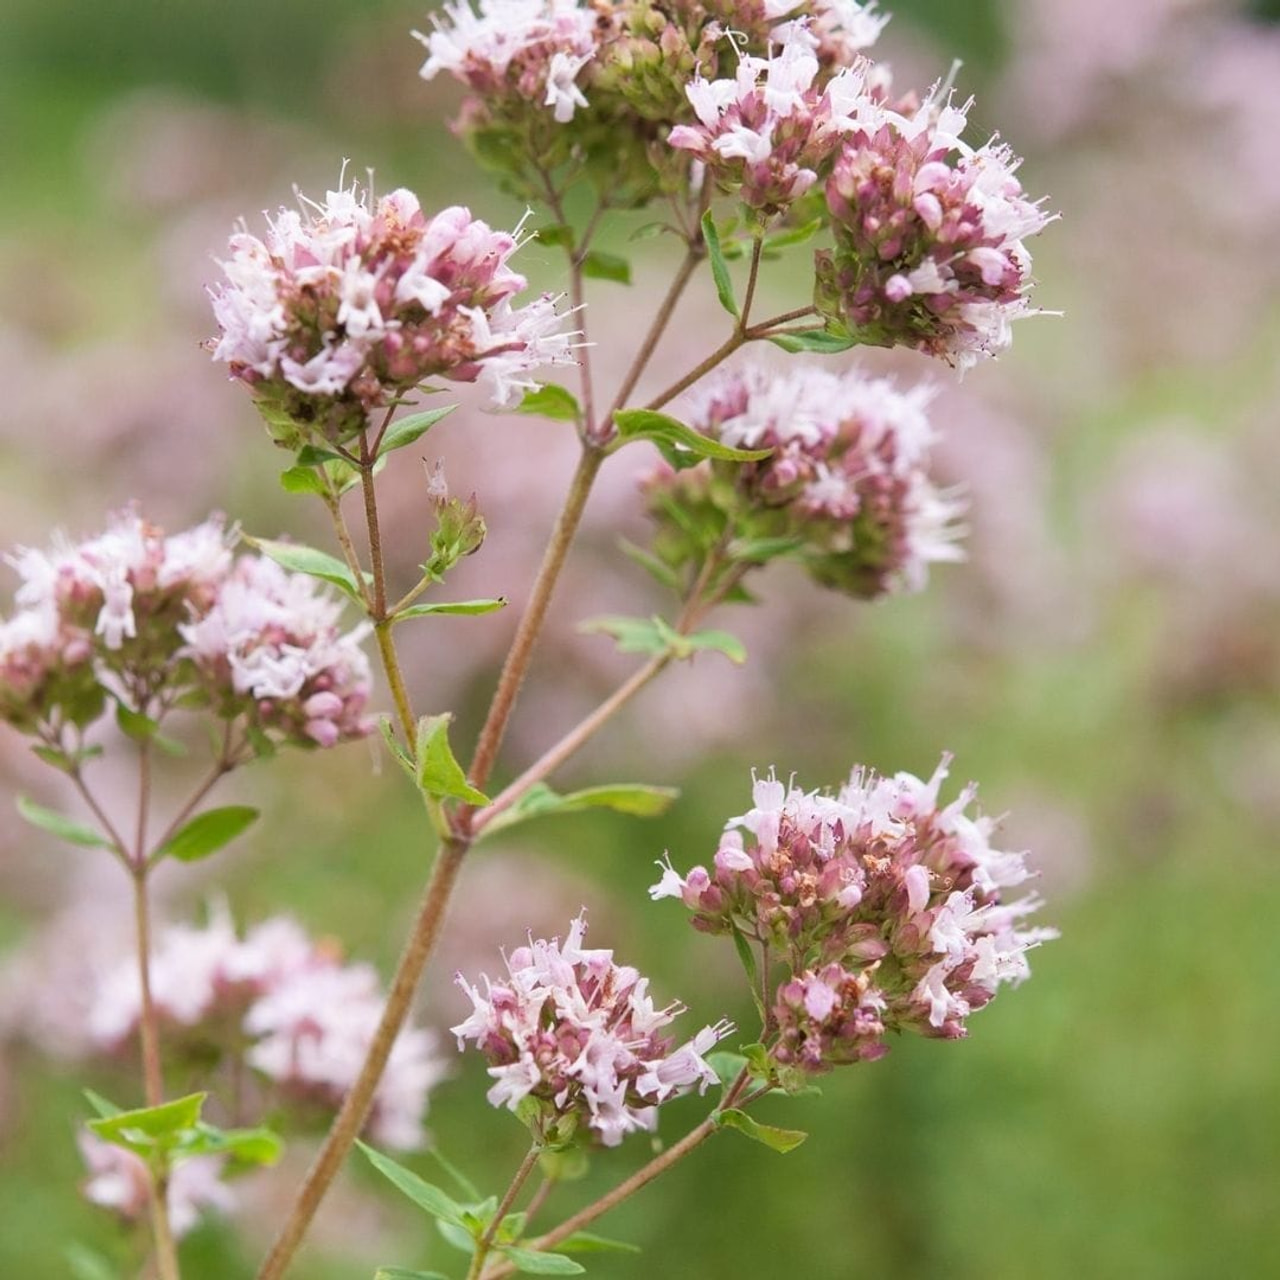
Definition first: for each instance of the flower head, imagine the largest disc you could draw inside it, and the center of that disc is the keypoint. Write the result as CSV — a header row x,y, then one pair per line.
x,y
346,305
930,235
271,649
579,1036
104,613
768,131
847,479
528,50
887,908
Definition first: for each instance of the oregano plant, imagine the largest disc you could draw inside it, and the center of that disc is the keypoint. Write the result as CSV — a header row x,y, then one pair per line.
x,y
875,908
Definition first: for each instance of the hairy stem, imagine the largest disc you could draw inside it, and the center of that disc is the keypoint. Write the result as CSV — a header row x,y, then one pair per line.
x,y
395,679
359,1101
485,1243
649,344
526,637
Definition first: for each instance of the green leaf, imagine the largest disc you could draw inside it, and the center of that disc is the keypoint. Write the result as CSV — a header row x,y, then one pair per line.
x,y
402,1273
793,235
404,431
402,757
535,1263
458,1236
659,570
606,266
551,401
425,1195
133,724
645,424
719,271
301,480
718,642
465,1185
100,1104
452,606
299,558
206,833
759,550
818,341
726,1064
589,1242
438,772
247,1148
540,801
555,233
88,1264
782,1140
633,635
748,958
60,825
311,455
151,1127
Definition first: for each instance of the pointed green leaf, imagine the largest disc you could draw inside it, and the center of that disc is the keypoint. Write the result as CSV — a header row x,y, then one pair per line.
x,y
606,266
247,1148
206,833
151,1127
551,401
719,271
793,235
458,1235
100,1104
58,824
633,635
589,1242
424,1194
657,569
404,431
133,724
555,233
748,958
675,438
782,1140
760,550
535,1263
301,480
636,799
818,341
439,773
299,558
401,756
718,642
401,1273
311,455
726,1064
465,1185
468,607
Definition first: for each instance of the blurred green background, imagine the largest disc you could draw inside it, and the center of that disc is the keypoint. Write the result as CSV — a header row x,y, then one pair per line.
x,y
1107,664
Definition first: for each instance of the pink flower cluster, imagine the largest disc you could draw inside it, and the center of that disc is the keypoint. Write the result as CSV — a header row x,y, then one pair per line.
x,y
845,491
105,607
930,235
119,1180
343,307
529,50
270,649
148,618
767,132
887,910
579,1035
306,1018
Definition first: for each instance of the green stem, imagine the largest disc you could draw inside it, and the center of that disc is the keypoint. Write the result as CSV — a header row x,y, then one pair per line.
x,y
485,1243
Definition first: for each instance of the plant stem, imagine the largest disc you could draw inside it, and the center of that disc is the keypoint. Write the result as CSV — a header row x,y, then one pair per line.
x,y
757,247
395,679
358,1102
522,646
379,609
641,1178
684,274
485,1243
539,1198
334,505
222,766
555,756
